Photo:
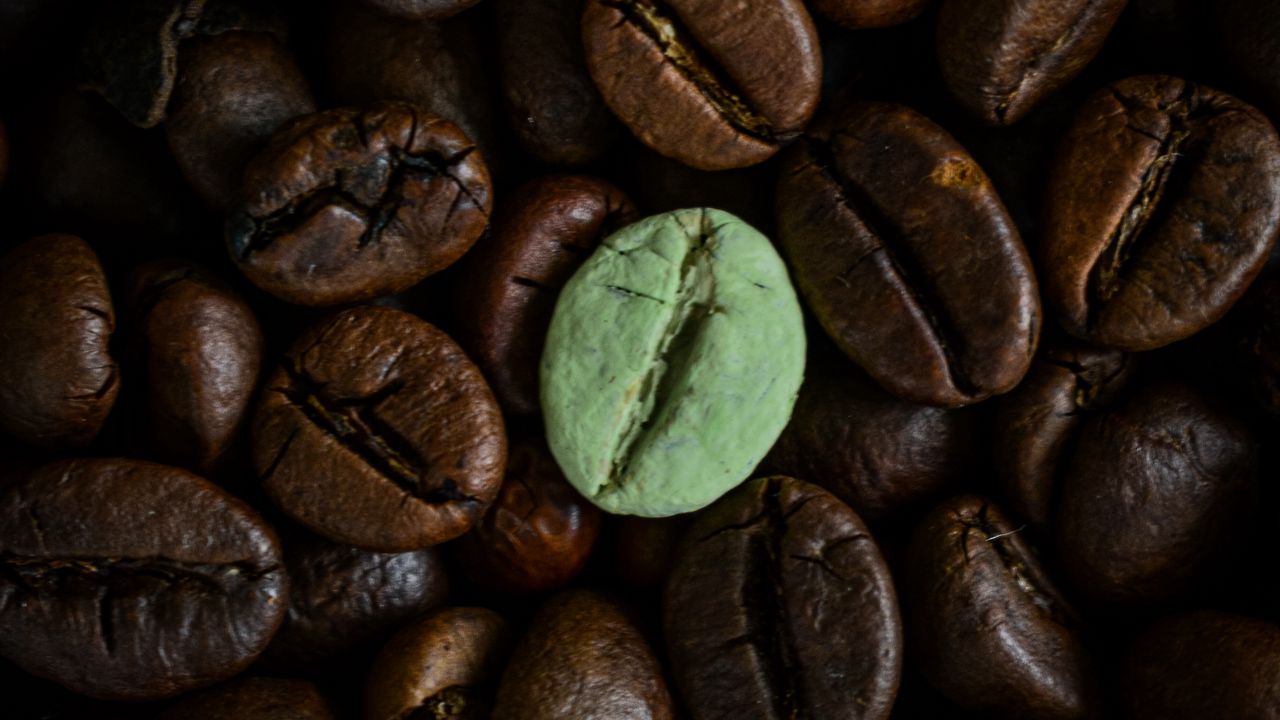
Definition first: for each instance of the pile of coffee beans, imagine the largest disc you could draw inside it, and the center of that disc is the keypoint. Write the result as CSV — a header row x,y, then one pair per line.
x,y
639,359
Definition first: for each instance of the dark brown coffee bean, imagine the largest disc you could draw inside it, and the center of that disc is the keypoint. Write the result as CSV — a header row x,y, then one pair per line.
x,y
780,605
56,319
539,531
1001,57
351,204
376,431
985,624
444,666
713,85
253,698
1249,36
1162,207
421,9
859,14
124,579
907,257
1035,424
235,90
1156,493
552,105
547,228
200,348
1204,665
583,658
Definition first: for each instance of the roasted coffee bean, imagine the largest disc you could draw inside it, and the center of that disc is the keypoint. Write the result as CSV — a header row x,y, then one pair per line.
x,y
1035,424
342,597
860,14
200,348
352,204
421,9
583,658
1249,35
234,91
376,431
444,666
1162,207
907,257
985,624
539,531
56,320
999,58
713,85
254,698
547,228
1157,492
124,579
1204,665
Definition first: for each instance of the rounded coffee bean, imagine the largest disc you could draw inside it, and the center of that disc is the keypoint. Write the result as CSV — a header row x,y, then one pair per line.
x,y
1202,665
56,320
376,431
445,666
421,9
859,14
907,257
124,579
546,230
351,204
234,91
673,361
985,624
779,605
714,85
201,349
1163,205
253,698
583,658
1157,493
1001,57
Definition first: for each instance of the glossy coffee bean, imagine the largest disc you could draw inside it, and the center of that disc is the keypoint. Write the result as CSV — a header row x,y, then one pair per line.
x,y
56,321
199,348
1204,664
539,531
352,204
907,257
1162,207
443,666
376,431
1036,424
547,228
986,625
421,9
583,658
124,579
860,14
780,605
713,85
234,91
999,58
253,698
1158,491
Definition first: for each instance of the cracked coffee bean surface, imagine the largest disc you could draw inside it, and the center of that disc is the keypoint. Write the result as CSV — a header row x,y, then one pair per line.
x,y
352,204
377,431
129,580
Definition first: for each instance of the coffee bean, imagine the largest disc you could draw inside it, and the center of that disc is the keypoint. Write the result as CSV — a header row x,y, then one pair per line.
x,y
124,579
547,229
376,431
443,666
351,204
999,58
861,14
201,348
713,85
672,363
780,605
1156,493
1162,207
583,658
56,320
907,257
421,9
986,625
254,698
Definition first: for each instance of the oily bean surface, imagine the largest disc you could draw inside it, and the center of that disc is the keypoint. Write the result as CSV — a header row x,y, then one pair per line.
x,y
253,698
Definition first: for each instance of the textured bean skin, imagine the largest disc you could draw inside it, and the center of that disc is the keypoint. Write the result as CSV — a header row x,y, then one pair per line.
x,y
253,698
